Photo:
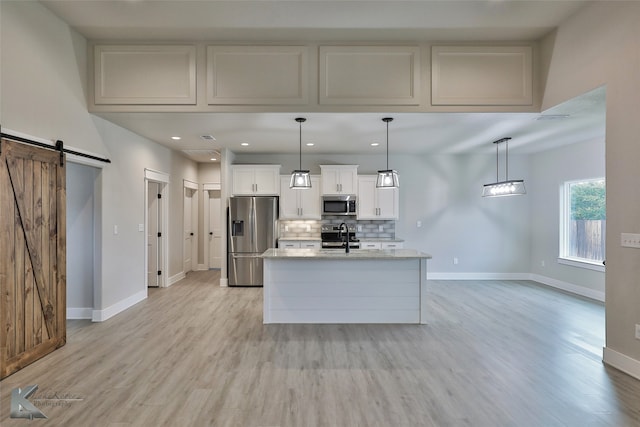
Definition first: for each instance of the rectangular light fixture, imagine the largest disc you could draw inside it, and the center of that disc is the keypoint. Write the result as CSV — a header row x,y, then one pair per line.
x,y
514,187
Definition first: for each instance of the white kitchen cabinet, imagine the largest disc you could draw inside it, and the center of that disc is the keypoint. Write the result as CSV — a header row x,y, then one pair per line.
x,y
298,244
339,179
376,244
370,245
256,180
391,245
300,204
376,203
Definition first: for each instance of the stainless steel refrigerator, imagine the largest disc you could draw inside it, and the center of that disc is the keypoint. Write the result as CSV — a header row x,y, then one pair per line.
x,y
251,231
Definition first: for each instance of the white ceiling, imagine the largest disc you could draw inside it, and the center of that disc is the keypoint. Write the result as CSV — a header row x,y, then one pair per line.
x,y
342,20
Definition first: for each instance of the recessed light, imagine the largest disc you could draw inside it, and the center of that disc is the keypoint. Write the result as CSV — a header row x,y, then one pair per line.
x,y
375,144
176,138
244,144
213,159
310,144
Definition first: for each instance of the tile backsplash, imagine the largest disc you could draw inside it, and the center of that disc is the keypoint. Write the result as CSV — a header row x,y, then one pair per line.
x,y
311,228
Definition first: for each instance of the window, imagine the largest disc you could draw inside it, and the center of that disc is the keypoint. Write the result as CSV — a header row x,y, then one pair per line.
x,y
583,223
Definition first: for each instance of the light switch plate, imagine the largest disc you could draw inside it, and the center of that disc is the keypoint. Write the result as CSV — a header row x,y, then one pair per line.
x,y
140,227
630,240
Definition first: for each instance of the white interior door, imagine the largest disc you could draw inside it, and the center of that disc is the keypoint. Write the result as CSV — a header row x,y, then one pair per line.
x,y
215,230
153,228
189,234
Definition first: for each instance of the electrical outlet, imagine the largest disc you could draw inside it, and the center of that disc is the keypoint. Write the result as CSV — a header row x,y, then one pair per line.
x,y
380,228
286,228
542,263
455,260
630,240
359,228
115,229
419,224
140,227
637,331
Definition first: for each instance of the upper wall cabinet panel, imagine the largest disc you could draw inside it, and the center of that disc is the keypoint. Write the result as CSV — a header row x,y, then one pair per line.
x,y
145,75
257,75
481,75
369,75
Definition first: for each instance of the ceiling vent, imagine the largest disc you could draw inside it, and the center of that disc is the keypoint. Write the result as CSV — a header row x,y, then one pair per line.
x,y
207,137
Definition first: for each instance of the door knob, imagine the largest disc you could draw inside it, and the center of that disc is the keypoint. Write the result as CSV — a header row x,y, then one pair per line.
x,y
211,233
191,234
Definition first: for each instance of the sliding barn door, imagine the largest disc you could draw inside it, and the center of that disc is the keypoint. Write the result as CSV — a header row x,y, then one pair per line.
x,y
32,255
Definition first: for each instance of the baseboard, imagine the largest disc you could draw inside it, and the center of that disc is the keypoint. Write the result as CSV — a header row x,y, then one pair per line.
x,y
621,362
76,313
176,278
201,267
107,313
568,287
477,276
224,282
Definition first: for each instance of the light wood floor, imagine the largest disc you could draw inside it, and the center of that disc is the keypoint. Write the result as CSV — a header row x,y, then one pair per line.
x,y
494,353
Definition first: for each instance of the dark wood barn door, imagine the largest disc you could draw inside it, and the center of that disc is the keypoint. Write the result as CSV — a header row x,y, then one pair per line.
x,y
32,255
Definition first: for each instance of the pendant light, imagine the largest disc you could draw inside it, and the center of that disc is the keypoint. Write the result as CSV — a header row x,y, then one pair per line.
x,y
513,187
300,179
387,178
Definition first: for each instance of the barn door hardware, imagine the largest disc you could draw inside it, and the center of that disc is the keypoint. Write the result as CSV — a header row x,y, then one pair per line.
x,y
54,147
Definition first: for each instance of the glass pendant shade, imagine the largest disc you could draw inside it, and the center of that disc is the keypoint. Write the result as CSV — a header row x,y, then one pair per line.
x,y
300,180
387,179
505,188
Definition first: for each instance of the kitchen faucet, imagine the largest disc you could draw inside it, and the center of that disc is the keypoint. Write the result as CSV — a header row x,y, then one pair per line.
x,y
346,227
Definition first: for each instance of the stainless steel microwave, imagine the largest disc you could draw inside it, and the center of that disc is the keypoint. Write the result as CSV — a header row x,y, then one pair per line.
x,y
339,205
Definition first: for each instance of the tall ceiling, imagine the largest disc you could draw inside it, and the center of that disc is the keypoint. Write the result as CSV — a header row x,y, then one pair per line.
x,y
344,21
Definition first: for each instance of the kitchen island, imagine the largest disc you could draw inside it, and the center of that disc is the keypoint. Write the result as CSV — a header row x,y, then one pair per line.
x,y
331,286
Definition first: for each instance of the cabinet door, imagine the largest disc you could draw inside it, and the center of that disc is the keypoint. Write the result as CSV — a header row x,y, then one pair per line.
x,y
309,200
288,244
243,181
348,180
370,245
387,203
367,208
310,245
289,199
330,183
267,180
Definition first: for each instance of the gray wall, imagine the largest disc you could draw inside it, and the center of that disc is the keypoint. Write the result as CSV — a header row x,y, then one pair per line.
x,y
444,192
549,170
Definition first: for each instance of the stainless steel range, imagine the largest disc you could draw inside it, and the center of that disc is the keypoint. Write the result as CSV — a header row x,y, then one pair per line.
x,y
333,239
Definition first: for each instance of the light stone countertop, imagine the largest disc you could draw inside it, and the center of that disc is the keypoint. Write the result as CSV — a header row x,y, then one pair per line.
x,y
340,254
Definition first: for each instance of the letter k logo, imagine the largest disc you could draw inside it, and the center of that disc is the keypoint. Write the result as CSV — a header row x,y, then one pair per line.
x,y
21,407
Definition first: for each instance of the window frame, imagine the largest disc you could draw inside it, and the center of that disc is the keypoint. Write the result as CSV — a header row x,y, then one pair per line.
x,y
565,218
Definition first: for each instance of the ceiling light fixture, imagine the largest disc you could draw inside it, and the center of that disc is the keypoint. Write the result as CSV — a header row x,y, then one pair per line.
x,y
300,179
176,138
244,144
514,187
387,178
375,144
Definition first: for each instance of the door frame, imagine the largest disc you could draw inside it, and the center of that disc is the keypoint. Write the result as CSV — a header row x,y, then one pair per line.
x,y
162,179
207,187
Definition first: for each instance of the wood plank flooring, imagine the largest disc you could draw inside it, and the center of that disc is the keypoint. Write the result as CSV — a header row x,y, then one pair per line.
x,y
494,353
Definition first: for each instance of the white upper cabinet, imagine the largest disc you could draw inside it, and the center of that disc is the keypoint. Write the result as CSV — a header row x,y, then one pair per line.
x,y
482,75
376,203
339,179
300,204
250,75
256,180
147,75
369,75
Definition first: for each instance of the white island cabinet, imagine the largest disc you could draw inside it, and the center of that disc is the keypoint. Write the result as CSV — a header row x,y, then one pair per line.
x,y
330,286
